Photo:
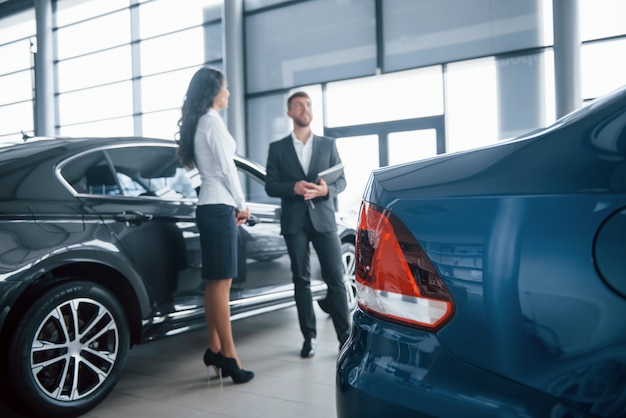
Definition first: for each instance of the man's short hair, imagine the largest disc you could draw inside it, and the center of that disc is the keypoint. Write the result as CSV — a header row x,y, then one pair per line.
x,y
297,94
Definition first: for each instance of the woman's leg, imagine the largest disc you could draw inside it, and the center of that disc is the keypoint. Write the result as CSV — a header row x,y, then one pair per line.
x,y
215,344
217,311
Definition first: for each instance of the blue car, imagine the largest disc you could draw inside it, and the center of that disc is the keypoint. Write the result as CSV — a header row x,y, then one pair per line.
x,y
492,282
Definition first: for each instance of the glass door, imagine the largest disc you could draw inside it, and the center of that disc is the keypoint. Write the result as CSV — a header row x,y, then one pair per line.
x,y
359,155
364,148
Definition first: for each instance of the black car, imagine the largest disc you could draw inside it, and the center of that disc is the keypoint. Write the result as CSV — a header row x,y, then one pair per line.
x,y
99,251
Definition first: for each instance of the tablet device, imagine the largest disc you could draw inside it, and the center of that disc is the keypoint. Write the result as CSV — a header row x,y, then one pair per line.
x,y
330,175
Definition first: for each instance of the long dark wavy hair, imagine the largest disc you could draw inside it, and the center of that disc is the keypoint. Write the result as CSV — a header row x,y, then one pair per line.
x,y
205,84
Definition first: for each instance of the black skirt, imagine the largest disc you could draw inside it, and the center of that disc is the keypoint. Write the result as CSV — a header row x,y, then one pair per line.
x,y
217,226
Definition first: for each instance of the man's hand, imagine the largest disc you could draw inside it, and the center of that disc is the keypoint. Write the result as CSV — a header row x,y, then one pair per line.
x,y
302,187
310,190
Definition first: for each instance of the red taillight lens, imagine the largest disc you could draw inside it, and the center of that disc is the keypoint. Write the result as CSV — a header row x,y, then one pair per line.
x,y
395,278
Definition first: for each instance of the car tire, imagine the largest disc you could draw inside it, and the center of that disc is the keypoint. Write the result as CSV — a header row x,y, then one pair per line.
x,y
348,258
68,350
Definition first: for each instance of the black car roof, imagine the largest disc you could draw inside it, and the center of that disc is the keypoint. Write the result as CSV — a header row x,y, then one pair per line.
x,y
38,144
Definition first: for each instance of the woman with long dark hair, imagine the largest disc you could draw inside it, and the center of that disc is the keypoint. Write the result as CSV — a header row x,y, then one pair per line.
x,y
204,142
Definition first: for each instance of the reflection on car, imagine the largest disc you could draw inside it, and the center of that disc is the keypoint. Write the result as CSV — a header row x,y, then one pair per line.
x,y
99,251
492,282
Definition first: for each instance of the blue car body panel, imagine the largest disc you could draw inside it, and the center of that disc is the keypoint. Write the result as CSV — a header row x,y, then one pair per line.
x,y
395,371
529,237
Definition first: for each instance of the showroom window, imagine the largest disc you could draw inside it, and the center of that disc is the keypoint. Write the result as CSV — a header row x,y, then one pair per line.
x,y
471,104
382,100
168,16
107,127
411,145
135,69
105,67
134,47
603,33
154,51
166,68
103,32
402,95
495,60
601,18
358,166
603,69
421,33
73,11
17,43
525,92
471,118
310,42
102,102
161,98
95,94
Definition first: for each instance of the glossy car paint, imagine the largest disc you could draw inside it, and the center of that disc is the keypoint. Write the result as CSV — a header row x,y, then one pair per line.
x,y
529,237
63,220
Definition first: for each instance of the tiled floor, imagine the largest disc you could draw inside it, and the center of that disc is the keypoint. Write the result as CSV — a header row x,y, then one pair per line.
x,y
167,378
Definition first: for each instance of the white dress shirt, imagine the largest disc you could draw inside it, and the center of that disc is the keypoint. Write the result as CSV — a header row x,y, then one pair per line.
x,y
304,151
214,148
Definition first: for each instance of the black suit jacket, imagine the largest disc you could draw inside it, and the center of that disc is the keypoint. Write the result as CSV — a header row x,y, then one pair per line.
x,y
284,170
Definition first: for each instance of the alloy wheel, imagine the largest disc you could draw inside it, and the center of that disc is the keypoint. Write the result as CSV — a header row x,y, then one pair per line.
x,y
74,349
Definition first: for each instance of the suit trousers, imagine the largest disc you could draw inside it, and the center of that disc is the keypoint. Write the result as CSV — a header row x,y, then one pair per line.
x,y
328,249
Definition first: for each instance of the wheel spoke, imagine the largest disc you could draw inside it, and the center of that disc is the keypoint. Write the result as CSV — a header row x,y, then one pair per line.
x,y
57,393
349,278
74,392
57,317
95,322
104,354
73,305
349,265
46,346
103,359
51,354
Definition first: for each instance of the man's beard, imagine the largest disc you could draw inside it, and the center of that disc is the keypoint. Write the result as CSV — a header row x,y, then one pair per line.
x,y
301,123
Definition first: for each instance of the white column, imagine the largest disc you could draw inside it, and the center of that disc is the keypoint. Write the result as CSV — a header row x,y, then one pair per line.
x,y
44,68
234,71
567,56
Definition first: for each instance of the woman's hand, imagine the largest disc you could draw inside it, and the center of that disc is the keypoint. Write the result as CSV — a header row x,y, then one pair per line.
x,y
242,216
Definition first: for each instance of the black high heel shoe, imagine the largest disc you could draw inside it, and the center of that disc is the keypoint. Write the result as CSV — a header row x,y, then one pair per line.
x,y
212,359
229,366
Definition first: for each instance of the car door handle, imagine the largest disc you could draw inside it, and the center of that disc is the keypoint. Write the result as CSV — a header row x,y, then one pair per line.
x,y
252,220
132,218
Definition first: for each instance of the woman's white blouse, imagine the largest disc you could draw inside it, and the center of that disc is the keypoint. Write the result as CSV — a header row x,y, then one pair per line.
x,y
214,149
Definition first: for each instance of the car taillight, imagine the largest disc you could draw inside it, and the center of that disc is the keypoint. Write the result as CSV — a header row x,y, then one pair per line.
x,y
395,278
